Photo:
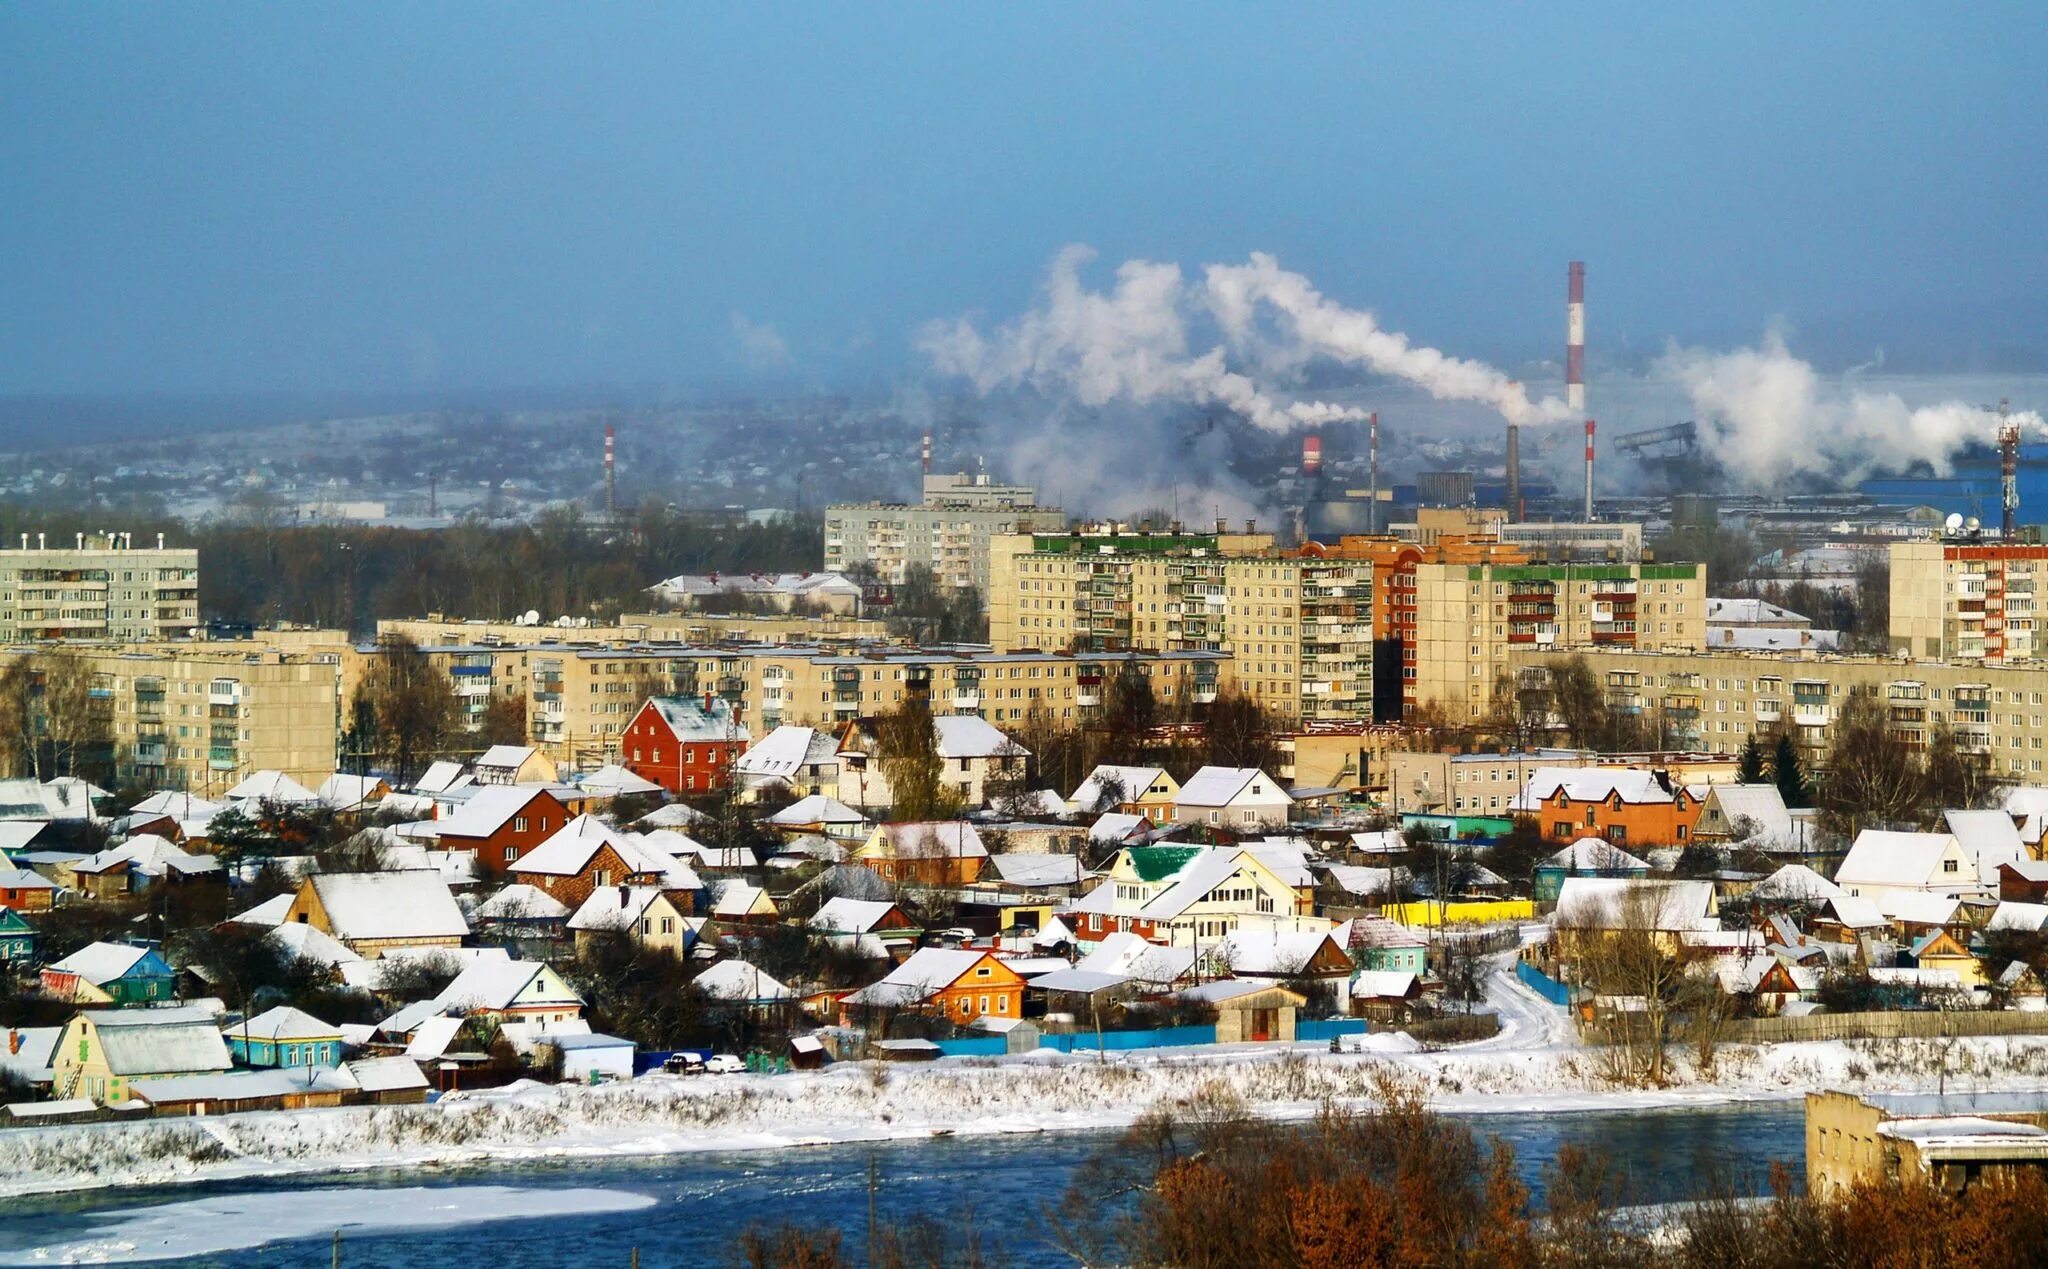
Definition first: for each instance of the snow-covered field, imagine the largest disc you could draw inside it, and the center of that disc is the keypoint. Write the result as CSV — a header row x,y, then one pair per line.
x,y
1532,1065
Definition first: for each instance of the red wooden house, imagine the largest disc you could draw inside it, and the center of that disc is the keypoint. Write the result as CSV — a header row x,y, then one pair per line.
x,y
501,823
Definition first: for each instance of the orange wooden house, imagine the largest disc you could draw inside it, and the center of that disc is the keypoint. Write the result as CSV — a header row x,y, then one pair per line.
x,y
959,984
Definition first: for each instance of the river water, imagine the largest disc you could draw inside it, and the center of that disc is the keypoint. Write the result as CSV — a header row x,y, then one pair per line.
x,y
690,1209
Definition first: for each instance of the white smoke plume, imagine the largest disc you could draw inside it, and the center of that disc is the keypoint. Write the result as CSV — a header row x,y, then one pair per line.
x,y
1136,344
1769,417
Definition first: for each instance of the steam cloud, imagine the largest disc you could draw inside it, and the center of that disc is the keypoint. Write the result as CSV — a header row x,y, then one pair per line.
x,y
1769,417
1135,344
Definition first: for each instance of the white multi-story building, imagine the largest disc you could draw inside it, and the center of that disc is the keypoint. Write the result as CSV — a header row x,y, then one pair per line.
x,y
101,587
948,531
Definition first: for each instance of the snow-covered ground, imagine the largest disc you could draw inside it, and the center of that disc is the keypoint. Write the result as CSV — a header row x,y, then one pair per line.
x,y
1532,1065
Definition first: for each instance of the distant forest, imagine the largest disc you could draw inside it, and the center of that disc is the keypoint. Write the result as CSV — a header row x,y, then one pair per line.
x,y
254,570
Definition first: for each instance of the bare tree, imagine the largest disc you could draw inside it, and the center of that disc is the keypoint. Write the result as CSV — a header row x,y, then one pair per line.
x,y
1872,778
408,703
1622,945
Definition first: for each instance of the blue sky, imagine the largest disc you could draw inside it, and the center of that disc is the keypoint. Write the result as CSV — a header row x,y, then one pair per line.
x,y
223,198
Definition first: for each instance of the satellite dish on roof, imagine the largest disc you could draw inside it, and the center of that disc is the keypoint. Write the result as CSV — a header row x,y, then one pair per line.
x,y
1972,524
533,616
1954,522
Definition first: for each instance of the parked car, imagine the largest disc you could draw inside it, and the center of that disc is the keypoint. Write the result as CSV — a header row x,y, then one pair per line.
x,y
725,1064
684,1064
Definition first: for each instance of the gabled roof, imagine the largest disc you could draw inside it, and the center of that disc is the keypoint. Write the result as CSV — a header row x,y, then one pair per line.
x,y
1761,804
1268,953
928,971
1384,841
1856,913
1611,903
1797,883
674,815
271,786
1215,865
615,907
439,776
346,792
933,839
1157,863
737,980
309,944
271,911
849,916
1990,838
490,984
689,721
521,902
388,905
1220,786
1595,854
282,1023
158,1041
571,848
102,963
1378,931
786,751
503,758
150,856
1117,826
966,736
816,809
1135,782
1881,857
739,899
1037,870
490,809
182,806
2028,917
24,879
1591,784
615,780
1918,909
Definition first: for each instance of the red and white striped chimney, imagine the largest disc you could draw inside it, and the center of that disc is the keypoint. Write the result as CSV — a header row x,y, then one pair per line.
x,y
927,453
1589,471
1372,510
610,481
1311,455
1575,338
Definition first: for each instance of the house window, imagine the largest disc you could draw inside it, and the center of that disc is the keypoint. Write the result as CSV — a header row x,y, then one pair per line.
x,y
519,824
636,755
1948,865
657,755
668,925
511,853
1617,834
1562,828
1002,1004
603,877
984,1004
1589,817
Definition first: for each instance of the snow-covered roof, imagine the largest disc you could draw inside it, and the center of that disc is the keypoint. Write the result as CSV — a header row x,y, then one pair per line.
x,y
849,916
1036,870
101,963
182,806
1881,857
616,781
1763,805
492,984
967,736
431,1038
787,750
1796,883
24,879
271,786
385,1074
614,907
1228,989
1378,931
271,911
521,902
1382,841
1856,913
1356,879
1990,837
1590,784
570,849
282,1023
150,856
738,899
688,719
1116,826
929,970
503,758
1382,984
489,809
816,809
1610,903
1917,909
439,777
1084,982
1193,883
934,839
1221,786
1595,854
1126,955
2010,915
1134,782
1270,953
737,980
29,1052
158,1041
301,940
346,792
388,905
674,815
1751,612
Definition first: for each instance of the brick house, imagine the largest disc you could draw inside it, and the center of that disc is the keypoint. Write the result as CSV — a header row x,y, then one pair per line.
x,y
501,823
1628,807
683,744
586,856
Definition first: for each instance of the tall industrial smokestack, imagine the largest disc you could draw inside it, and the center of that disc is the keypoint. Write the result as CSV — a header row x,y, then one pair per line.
x,y
1311,456
1514,474
611,488
1372,512
927,453
1575,338
2009,470
1589,471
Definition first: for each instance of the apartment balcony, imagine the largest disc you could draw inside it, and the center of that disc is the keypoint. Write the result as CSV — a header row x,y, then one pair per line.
x,y
968,698
1205,693
1811,715
227,695
473,688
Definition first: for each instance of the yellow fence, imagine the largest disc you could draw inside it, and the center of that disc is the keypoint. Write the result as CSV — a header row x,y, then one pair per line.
x,y
1472,913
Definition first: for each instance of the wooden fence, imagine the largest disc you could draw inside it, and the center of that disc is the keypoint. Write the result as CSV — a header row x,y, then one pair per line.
x,y
1919,1024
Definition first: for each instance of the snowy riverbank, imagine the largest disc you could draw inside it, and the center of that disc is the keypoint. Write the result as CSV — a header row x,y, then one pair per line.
x,y
1042,1093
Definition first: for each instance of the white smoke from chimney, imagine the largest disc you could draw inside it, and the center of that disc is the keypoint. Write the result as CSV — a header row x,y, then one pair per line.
x,y
1769,416
1134,344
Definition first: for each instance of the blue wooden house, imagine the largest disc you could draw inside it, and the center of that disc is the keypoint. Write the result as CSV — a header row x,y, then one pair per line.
x,y
17,938
284,1037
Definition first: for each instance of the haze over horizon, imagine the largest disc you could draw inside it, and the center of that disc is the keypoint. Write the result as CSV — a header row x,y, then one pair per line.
x,y
232,199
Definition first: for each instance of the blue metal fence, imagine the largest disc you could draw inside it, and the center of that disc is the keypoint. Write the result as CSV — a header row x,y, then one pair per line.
x,y
1113,1041
1329,1028
1543,984
974,1046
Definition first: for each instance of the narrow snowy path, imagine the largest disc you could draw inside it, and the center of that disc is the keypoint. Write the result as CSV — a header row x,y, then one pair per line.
x,y
1527,1020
